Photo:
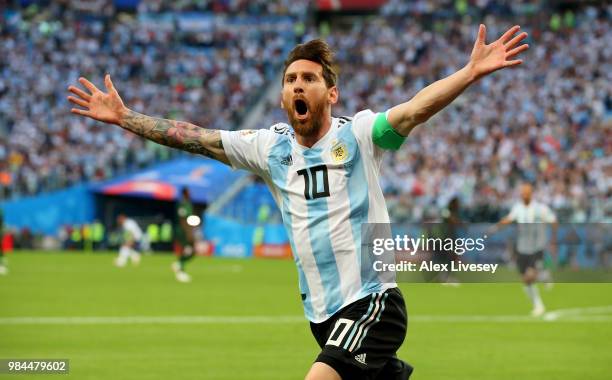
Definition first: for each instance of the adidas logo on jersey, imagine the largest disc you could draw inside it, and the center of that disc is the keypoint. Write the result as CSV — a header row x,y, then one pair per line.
x,y
282,129
287,160
343,120
361,358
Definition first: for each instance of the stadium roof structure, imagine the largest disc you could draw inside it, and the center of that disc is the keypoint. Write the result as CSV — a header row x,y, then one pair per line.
x,y
206,180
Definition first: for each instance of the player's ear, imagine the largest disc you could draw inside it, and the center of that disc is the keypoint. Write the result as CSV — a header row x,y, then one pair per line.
x,y
280,99
333,95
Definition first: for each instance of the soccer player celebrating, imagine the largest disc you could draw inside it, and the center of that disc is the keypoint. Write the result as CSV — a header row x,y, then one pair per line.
x,y
323,173
532,217
132,234
184,239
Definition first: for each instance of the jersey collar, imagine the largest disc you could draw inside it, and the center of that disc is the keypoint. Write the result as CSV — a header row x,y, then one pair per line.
x,y
322,141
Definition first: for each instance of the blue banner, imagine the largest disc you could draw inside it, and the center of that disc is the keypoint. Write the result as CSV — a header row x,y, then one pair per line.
x,y
47,213
235,239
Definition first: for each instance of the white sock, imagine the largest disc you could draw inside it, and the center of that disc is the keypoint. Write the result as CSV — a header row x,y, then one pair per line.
x,y
534,295
124,255
544,276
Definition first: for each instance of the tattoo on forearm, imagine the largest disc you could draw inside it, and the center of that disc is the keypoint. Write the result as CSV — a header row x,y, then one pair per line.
x,y
176,134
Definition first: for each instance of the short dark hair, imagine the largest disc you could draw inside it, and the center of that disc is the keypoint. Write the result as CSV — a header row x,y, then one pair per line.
x,y
316,51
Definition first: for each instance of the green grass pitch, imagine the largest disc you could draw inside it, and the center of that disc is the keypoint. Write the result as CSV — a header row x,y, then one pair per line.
x,y
241,319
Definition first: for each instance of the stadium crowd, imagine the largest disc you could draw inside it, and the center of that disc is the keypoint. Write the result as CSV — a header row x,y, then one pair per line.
x,y
547,121
163,63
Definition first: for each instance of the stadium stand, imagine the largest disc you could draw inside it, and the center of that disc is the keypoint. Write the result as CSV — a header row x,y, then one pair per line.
x,y
199,61
547,122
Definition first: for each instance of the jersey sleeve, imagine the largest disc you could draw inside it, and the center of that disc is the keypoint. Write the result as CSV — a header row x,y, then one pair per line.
x,y
363,124
248,149
512,216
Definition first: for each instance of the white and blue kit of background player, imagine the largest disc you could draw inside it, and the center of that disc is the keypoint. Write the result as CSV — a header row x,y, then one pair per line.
x,y
532,234
325,193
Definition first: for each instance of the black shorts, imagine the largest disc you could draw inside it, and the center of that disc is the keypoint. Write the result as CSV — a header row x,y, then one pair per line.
x,y
525,261
361,340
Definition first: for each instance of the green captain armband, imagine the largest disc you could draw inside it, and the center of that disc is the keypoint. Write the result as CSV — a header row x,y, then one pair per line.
x,y
384,135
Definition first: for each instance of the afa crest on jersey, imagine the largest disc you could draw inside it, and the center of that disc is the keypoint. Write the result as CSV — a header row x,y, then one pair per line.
x,y
339,152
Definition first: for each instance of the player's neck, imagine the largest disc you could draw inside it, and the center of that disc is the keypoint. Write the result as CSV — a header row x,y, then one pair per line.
x,y
309,141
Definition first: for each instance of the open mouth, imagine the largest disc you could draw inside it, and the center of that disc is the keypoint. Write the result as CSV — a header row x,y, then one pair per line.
x,y
301,107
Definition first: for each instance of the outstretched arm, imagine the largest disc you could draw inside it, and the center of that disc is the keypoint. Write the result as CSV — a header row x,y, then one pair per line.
x,y
176,134
505,221
109,108
484,60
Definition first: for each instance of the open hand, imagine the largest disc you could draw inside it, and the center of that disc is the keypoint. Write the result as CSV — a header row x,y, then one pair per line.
x,y
106,107
499,54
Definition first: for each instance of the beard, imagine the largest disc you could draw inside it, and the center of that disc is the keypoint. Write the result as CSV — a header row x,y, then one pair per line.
x,y
311,126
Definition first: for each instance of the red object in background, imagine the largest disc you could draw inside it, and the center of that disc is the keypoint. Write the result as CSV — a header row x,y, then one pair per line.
x,y
157,189
343,5
417,189
202,248
177,248
5,178
8,243
179,88
552,142
273,251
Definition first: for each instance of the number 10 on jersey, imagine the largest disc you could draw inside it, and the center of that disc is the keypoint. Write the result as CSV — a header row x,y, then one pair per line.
x,y
312,178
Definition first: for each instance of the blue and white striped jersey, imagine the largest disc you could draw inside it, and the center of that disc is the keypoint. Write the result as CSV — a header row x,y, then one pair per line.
x,y
532,234
325,194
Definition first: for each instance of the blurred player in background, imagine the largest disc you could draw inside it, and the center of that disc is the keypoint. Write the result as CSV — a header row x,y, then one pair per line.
x,y
132,236
451,220
3,267
531,242
324,175
184,236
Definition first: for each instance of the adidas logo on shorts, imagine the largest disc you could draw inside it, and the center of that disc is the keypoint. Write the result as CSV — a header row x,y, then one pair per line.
x,y
361,358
